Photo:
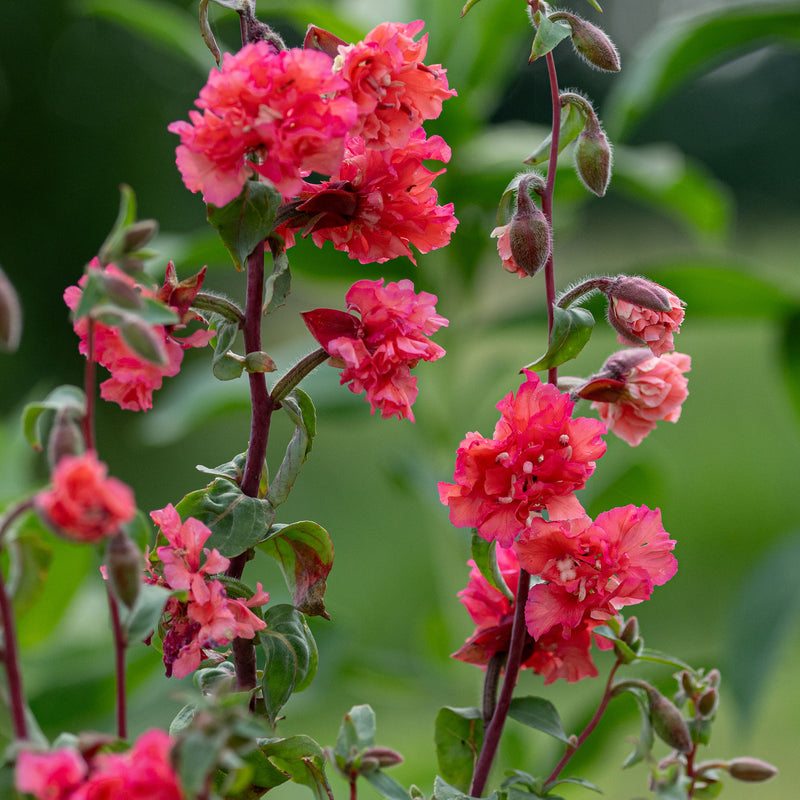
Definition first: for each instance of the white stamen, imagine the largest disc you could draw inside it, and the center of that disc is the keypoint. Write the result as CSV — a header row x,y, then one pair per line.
x,y
527,467
563,440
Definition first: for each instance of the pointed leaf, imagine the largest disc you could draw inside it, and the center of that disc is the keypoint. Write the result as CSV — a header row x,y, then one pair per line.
x,y
362,718
468,5
538,713
302,759
143,618
29,559
278,283
223,368
246,220
578,782
237,522
572,328
442,790
548,35
459,738
483,554
386,786
572,122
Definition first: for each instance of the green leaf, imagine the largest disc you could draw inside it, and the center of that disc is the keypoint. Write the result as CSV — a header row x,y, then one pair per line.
x,y
264,774
302,759
386,786
483,554
29,558
572,122
143,618
468,5
300,409
681,49
237,522
458,735
246,220
578,782
538,713
572,328
223,368
291,657
69,399
444,791
357,731
644,744
548,35
304,551
790,357
279,283
232,470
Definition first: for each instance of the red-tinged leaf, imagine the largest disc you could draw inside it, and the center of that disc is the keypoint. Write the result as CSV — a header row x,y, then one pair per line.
x,y
326,324
304,552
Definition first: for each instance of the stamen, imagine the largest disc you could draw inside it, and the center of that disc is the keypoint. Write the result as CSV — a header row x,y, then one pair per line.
x,y
563,440
527,467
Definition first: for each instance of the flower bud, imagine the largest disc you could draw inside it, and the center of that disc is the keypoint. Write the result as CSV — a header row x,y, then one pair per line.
x,y
124,565
713,678
707,703
65,439
593,157
529,233
10,316
138,234
258,361
383,756
591,43
630,633
144,340
751,770
668,722
639,292
320,39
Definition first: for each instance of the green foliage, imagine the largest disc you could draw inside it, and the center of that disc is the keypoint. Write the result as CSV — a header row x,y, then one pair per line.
x,y
540,714
302,759
572,328
69,400
483,553
548,36
459,738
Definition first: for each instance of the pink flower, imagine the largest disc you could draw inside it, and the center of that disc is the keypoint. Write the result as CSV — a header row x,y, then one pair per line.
x,y
644,313
394,91
593,569
85,504
379,349
133,378
50,776
207,618
379,203
537,458
649,389
281,107
502,234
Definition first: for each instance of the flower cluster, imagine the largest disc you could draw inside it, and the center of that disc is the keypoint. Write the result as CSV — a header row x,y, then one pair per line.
x,y
351,112
204,617
84,504
536,459
142,773
379,348
133,378
594,568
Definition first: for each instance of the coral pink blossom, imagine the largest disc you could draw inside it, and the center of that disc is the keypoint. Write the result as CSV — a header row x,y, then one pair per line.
x,y
379,203
492,611
207,618
502,234
394,91
379,349
639,325
133,378
593,569
50,776
654,390
536,459
282,107
85,504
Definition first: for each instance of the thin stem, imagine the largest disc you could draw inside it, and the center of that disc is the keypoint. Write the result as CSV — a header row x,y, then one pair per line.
x,y
495,728
120,647
587,731
204,301
11,649
89,380
305,366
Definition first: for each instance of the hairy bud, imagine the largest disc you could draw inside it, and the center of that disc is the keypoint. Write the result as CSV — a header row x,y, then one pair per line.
x,y
124,564
529,232
668,722
10,316
383,756
138,234
591,43
751,770
593,157
65,439
707,703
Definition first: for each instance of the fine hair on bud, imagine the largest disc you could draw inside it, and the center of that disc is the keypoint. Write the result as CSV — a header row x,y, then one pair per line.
x,y
591,44
593,156
529,231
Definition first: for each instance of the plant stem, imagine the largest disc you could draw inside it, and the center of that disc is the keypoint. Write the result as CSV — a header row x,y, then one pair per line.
x,y
11,648
89,379
120,647
494,729
296,374
571,750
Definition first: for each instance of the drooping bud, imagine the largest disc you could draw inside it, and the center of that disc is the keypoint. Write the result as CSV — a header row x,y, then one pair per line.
x,y
124,565
707,703
593,156
590,42
639,292
668,722
10,316
529,231
320,39
751,770
65,438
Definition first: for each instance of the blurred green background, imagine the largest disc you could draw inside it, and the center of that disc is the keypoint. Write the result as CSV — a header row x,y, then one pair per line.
x,y
705,118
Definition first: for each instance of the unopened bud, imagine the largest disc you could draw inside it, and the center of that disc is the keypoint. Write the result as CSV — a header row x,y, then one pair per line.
x,y
119,291
593,157
529,233
10,316
668,722
751,770
144,340
320,39
138,234
687,684
630,633
639,292
713,678
124,565
591,43
707,702
259,361
65,439
384,756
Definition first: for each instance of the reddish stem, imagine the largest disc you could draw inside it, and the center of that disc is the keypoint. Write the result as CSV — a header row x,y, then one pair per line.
x,y
120,647
89,379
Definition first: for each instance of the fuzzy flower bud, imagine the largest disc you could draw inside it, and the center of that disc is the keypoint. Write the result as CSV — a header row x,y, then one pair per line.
x,y
10,316
751,770
383,756
593,157
590,42
668,723
65,439
124,566
529,232
707,703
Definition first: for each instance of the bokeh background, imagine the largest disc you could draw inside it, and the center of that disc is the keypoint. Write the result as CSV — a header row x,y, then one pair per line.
x,y
705,118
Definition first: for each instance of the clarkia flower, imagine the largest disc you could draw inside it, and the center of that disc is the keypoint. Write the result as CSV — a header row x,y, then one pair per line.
x,y
635,390
288,109
84,504
207,618
594,568
53,775
381,345
536,459
380,202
